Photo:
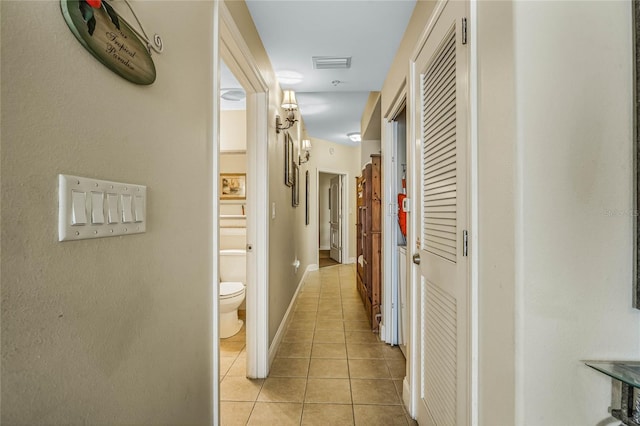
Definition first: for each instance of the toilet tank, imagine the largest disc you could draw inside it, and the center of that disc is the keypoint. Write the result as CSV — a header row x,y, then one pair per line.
x,y
233,265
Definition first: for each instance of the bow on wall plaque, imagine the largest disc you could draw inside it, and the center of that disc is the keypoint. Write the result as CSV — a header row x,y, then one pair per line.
x,y
112,40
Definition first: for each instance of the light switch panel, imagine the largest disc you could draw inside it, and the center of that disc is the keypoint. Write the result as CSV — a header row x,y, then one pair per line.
x,y
81,208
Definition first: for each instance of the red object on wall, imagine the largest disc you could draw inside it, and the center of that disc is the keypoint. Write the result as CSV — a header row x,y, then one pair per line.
x,y
402,215
94,3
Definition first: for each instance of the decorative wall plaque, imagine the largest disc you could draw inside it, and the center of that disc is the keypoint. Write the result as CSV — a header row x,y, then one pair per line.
x,y
110,39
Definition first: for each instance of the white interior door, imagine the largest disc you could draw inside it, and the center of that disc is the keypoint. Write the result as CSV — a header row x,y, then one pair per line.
x,y
335,219
441,107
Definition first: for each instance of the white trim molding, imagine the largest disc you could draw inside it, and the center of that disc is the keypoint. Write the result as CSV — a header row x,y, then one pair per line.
x,y
277,339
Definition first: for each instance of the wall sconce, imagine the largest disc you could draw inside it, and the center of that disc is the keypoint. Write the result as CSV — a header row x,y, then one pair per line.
x,y
290,104
306,147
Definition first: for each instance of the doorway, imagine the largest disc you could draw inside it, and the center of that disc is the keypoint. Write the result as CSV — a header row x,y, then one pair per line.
x,y
395,303
329,220
234,52
438,238
332,230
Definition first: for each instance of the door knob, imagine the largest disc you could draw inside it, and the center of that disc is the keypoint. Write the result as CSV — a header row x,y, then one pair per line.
x,y
416,258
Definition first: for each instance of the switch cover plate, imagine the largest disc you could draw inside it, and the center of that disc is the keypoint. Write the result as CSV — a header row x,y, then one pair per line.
x,y
84,203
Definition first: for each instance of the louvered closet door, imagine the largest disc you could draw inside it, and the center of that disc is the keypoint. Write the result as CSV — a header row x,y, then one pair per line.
x,y
441,105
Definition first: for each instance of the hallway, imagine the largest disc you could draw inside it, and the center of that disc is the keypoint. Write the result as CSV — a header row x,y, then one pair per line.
x,y
330,369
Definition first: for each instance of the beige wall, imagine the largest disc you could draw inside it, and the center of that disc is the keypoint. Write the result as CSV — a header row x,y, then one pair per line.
x,y
574,205
111,330
367,148
233,130
233,163
496,216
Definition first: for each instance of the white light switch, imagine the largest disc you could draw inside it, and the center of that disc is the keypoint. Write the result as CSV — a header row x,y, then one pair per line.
x,y
82,209
138,203
97,208
127,212
78,208
112,204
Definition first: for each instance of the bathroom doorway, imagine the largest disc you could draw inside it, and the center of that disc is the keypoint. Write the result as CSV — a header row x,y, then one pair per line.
x,y
233,213
246,206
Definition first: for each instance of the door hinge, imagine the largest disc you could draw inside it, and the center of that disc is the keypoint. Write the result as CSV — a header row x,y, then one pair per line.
x,y
465,243
464,30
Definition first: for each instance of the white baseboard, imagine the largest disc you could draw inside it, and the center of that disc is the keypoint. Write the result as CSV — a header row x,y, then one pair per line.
x,y
325,248
351,260
406,396
277,339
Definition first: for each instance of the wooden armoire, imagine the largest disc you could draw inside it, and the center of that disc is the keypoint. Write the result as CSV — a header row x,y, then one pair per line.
x,y
369,238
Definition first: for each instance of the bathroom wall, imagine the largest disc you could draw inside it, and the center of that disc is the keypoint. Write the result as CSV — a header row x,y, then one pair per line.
x,y
112,330
233,130
233,157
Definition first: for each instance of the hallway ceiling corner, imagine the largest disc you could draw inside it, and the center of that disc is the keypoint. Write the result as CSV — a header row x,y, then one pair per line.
x,y
369,32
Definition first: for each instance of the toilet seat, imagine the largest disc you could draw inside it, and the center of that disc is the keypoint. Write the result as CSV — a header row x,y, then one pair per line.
x,y
231,289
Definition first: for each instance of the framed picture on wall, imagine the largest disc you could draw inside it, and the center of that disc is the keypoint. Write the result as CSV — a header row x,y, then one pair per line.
x,y
306,198
288,159
636,62
295,190
233,186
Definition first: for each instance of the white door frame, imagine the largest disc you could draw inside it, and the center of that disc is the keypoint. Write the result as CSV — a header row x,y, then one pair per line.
x,y
237,56
390,300
412,380
345,216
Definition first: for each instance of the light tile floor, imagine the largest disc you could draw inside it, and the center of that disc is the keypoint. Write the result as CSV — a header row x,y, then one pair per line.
x,y
330,368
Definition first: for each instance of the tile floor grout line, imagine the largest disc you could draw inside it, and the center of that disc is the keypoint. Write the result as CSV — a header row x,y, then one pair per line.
x,y
327,291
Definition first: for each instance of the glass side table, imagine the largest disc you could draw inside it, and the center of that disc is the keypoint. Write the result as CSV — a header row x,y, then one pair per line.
x,y
626,377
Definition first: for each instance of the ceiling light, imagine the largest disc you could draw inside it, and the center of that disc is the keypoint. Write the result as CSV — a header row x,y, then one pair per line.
x,y
331,62
290,104
289,77
233,95
355,136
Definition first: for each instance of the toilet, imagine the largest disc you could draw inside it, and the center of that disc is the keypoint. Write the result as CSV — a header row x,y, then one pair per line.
x,y
233,279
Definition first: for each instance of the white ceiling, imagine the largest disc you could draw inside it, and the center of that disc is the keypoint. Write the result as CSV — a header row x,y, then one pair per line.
x,y
369,31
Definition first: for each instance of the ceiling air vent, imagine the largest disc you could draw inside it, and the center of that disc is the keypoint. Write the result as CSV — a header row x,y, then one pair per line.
x,y
331,62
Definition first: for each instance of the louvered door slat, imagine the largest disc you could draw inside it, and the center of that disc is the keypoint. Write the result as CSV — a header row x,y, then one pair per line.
x,y
441,177
442,182
435,157
440,99
440,347
442,63
441,228
445,167
443,134
439,162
